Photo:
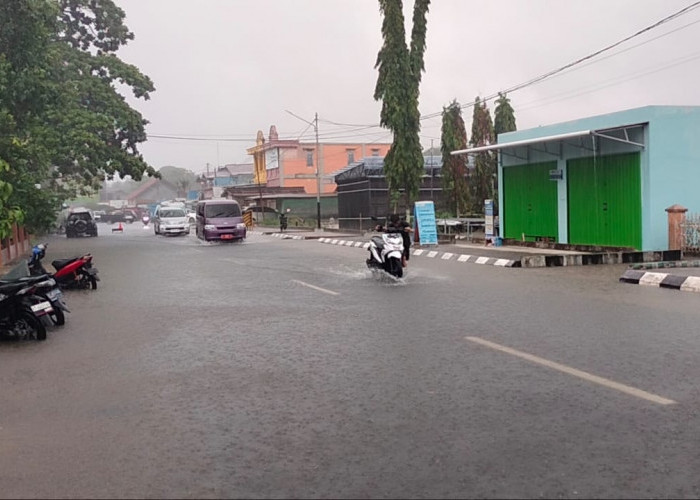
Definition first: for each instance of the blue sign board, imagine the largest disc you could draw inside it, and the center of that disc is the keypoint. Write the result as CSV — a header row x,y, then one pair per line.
x,y
425,222
488,220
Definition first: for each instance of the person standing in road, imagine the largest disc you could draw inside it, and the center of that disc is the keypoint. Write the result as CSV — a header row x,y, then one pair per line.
x,y
283,222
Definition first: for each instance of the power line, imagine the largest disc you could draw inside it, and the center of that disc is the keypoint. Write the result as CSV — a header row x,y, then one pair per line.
x,y
532,81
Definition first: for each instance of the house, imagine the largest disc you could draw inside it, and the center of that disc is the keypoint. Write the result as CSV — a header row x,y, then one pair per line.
x,y
603,180
152,191
290,163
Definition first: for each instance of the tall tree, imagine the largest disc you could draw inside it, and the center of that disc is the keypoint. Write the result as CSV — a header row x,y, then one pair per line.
x,y
454,168
504,116
63,124
483,177
27,29
398,83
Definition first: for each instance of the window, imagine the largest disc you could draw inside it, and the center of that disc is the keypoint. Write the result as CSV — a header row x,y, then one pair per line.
x,y
309,157
351,156
375,152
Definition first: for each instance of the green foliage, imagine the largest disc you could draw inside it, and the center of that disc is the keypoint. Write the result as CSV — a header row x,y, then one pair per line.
x,y
63,124
504,116
398,82
454,168
483,178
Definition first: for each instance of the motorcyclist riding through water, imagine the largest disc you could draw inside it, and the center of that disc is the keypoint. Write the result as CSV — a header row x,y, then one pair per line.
x,y
399,224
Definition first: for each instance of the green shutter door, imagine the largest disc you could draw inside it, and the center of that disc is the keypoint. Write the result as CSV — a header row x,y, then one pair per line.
x,y
530,202
605,201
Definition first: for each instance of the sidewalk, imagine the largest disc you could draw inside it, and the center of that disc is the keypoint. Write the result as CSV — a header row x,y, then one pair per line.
x,y
504,256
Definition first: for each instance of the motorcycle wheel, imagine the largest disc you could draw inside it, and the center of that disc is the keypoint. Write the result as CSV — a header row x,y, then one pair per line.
x,y
28,325
57,317
395,267
90,282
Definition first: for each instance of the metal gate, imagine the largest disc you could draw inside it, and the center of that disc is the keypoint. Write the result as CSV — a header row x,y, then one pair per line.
x,y
530,202
605,200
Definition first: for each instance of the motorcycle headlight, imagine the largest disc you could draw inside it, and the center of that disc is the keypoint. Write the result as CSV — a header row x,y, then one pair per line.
x,y
3,296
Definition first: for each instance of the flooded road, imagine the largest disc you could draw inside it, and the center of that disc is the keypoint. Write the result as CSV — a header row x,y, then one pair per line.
x,y
280,368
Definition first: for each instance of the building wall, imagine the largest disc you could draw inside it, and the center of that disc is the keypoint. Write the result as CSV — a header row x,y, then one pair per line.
x,y
333,157
670,162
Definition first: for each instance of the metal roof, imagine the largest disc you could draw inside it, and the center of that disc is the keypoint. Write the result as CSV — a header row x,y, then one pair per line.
x,y
603,133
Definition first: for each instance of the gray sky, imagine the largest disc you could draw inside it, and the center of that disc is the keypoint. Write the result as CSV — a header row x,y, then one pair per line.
x,y
224,69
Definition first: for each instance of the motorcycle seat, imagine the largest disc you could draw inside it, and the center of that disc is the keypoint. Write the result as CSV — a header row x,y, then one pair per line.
x,y
9,288
60,263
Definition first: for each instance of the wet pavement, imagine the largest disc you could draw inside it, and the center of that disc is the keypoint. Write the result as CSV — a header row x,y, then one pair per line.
x,y
287,369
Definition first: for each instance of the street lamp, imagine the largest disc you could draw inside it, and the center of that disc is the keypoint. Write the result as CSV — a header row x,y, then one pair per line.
x,y
314,124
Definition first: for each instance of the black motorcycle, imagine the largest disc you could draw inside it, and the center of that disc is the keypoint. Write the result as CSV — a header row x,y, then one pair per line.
x,y
22,312
45,287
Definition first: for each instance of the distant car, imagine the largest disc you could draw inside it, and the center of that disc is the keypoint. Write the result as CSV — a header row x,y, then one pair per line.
x,y
170,220
80,222
98,214
257,212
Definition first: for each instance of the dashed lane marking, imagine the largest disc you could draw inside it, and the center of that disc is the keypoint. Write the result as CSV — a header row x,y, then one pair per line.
x,y
576,373
329,292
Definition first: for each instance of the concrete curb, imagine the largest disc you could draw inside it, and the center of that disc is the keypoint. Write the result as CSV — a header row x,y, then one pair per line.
x,y
432,254
666,264
662,280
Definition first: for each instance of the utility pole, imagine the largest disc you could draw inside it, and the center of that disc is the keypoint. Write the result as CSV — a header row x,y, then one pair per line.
x,y
318,175
432,170
318,165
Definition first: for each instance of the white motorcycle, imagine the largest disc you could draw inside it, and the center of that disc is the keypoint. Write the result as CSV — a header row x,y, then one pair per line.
x,y
385,253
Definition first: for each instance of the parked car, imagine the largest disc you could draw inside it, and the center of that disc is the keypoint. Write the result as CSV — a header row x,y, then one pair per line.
x,y
170,220
80,222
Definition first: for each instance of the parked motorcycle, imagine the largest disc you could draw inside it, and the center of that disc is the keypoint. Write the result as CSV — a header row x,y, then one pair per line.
x,y
22,312
46,288
385,253
75,272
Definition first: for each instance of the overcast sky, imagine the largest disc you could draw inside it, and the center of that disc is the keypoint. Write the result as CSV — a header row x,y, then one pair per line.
x,y
224,69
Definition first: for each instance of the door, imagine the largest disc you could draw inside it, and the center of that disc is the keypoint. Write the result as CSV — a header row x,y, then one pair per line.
x,y
530,202
605,201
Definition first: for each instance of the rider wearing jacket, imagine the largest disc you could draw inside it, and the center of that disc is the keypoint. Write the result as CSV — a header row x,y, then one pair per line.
x,y
398,224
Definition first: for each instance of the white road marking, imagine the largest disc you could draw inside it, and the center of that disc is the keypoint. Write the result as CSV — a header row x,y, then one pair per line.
x,y
463,258
432,254
418,252
576,373
482,260
501,262
330,292
447,256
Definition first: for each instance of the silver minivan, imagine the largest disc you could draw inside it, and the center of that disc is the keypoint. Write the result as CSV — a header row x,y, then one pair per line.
x,y
170,220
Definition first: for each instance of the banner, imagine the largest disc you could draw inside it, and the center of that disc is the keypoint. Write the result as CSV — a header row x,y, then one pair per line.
x,y
488,219
426,227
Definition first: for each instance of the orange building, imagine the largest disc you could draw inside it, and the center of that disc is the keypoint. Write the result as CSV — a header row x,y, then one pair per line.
x,y
290,163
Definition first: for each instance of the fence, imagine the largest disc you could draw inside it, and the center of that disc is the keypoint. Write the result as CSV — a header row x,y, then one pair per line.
x,y
690,233
15,246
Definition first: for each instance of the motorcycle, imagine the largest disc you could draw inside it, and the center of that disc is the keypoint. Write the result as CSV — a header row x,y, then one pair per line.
x,y
45,287
145,219
75,272
22,313
385,253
